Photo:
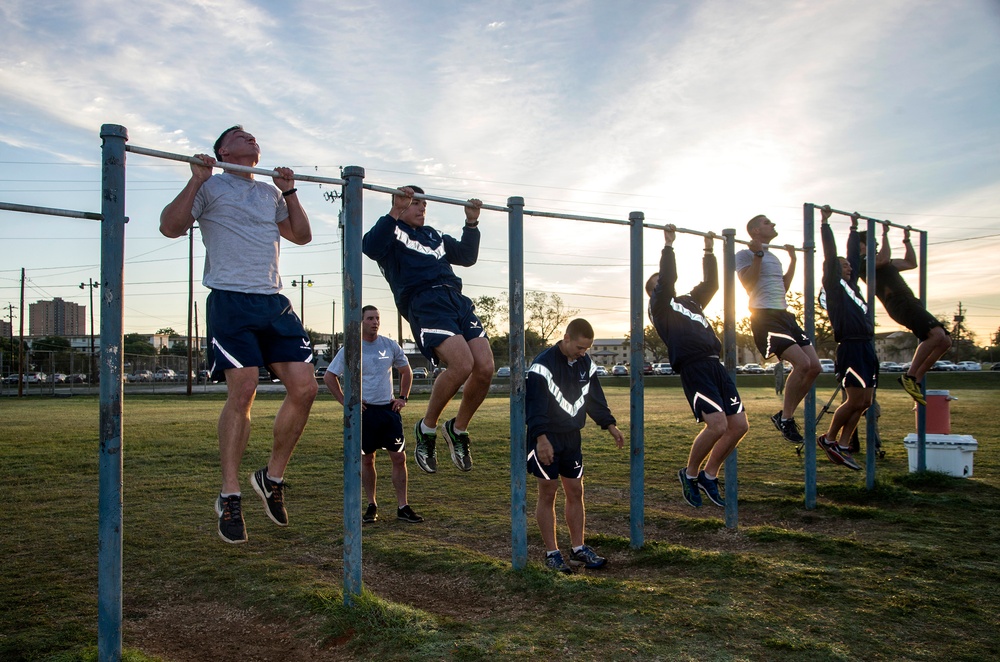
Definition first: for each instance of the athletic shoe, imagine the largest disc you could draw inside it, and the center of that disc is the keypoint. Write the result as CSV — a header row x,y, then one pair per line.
x,y
832,449
458,444
848,460
555,562
689,487
423,452
232,529
272,494
711,489
406,514
371,514
912,387
588,558
788,429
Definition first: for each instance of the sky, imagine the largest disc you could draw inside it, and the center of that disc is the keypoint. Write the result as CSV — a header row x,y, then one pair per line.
x,y
703,114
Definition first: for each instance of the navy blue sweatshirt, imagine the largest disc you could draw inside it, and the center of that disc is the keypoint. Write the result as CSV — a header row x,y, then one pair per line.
x,y
416,259
680,320
560,395
845,305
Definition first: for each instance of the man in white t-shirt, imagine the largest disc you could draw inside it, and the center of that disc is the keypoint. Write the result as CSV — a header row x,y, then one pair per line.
x,y
381,422
250,323
775,331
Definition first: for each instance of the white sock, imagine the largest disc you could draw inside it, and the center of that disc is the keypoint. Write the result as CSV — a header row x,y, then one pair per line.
x,y
552,552
226,495
689,476
427,430
273,479
715,477
457,431
577,549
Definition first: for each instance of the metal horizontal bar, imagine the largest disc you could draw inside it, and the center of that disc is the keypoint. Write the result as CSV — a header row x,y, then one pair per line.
x,y
777,247
571,217
432,198
865,218
69,213
229,166
715,235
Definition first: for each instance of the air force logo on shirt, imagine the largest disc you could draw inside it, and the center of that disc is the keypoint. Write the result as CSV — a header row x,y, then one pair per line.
x,y
383,354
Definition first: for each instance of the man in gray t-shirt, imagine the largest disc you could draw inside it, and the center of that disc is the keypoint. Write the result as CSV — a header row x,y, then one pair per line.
x,y
775,330
250,323
381,422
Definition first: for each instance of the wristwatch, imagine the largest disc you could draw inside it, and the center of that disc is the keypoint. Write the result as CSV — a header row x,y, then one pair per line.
x,y
759,253
403,398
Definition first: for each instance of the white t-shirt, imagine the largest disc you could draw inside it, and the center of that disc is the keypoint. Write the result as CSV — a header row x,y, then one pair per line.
x,y
769,292
378,358
238,218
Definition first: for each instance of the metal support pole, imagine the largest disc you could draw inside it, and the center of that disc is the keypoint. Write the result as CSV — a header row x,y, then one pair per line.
x,y
109,550
870,421
518,429
353,204
809,296
922,411
729,345
636,399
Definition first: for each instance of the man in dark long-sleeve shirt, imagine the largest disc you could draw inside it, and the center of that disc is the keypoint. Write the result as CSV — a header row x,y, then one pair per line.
x,y
417,262
857,363
562,390
694,353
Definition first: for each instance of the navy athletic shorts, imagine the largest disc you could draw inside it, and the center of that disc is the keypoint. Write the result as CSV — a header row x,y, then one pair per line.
x,y
253,330
440,313
857,364
775,330
906,310
381,427
710,389
568,460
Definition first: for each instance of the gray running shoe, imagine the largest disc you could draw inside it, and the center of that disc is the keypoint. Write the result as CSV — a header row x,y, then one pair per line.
x,y
232,529
555,563
588,558
423,451
458,444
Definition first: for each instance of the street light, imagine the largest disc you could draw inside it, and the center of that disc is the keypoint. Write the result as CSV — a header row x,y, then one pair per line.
x,y
91,285
302,283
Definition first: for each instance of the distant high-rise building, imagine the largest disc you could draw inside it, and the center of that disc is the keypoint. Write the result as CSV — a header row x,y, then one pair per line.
x,y
57,318
5,329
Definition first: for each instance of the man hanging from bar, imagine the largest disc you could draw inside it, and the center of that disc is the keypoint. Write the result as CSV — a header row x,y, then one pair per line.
x,y
250,323
905,309
774,328
417,260
854,330
694,352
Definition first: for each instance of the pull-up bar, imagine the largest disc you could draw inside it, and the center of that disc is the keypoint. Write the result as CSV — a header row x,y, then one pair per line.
x,y
572,217
230,166
781,247
51,211
868,218
713,235
431,198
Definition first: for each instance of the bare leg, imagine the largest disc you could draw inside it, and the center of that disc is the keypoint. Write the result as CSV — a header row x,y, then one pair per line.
x,y
234,424
805,369
455,352
369,476
736,429
399,477
575,514
477,386
301,388
545,512
928,352
715,427
845,419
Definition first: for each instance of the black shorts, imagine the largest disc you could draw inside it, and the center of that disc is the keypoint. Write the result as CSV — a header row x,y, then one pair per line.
x,y
710,389
857,364
774,331
906,310
381,427
253,330
568,460
440,313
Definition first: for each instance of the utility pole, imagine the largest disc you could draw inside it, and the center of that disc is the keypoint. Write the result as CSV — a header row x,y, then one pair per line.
x,y
958,333
20,346
91,286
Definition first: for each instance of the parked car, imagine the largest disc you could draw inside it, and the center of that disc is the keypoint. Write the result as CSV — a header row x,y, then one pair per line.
x,y
141,376
320,372
890,366
944,366
619,370
603,372
827,365
969,365
420,373
995,366
503,371
753,369
77,378
57,378
35,378
11,379
662,369
647,368
263,374
165,375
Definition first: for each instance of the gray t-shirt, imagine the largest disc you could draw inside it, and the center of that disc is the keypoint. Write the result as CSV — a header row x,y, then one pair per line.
x,y
378,358
769,292
239,220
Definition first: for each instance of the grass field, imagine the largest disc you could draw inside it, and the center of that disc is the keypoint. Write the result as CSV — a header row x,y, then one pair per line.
x,y
907,571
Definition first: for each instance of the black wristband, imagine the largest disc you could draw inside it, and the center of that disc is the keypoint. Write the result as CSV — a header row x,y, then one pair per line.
x,y
403,398
289,192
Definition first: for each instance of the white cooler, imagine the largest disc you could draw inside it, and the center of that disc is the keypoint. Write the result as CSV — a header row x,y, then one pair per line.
x,y
947,453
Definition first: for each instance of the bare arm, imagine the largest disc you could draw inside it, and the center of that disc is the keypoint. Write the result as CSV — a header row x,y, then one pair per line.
x,y
333,383
176,218
296,227
405,382
791,266
909,260
884,255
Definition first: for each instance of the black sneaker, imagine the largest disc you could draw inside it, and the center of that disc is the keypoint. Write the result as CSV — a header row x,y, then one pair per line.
x,y
555,563
371,515
458,444
406,514
788,429
272,494
587,557
711,489
232,529
423,452
848,459
689,487
831,448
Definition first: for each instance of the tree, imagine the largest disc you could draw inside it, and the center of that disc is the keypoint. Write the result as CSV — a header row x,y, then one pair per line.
x,y
545,314
137,343
491,311
652,343
167,331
